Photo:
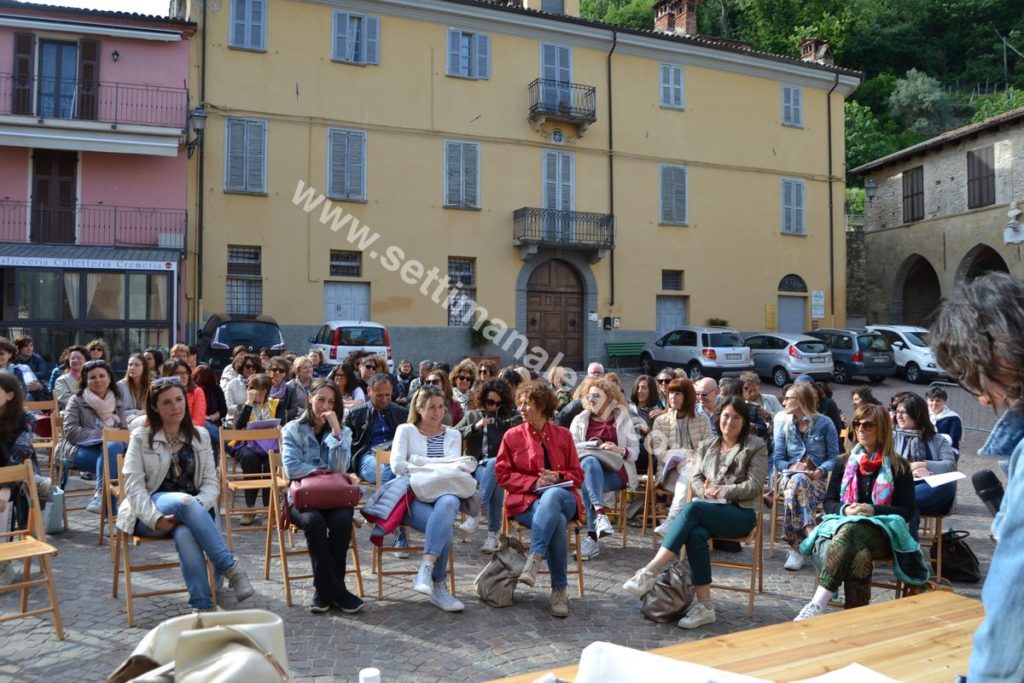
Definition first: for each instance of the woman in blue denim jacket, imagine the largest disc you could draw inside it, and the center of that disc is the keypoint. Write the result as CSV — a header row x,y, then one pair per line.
x,y
978,338
804,454
316,440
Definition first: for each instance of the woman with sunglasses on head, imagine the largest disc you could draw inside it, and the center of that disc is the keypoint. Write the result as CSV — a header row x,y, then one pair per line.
x,y
181,371
135,386
96,406
869,503
492,413
463,377
235,394
171,489
558,380
345,378
453,409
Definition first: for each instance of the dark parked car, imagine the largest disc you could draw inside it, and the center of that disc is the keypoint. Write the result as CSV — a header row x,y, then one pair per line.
x,y
858,352
224,332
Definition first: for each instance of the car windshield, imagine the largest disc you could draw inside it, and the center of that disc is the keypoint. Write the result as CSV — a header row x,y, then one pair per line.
x,y
870,342
249,332
721,339
917,338
360,336
812,347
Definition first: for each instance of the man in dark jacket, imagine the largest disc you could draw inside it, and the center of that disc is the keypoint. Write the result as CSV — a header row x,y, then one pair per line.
x,y
373,426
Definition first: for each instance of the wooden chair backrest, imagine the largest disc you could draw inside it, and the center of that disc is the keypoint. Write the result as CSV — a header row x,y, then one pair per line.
x,y
229,435
42,406
25,472
383,458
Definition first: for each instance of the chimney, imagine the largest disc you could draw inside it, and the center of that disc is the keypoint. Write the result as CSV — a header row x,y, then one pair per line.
x,y
678,17
816,50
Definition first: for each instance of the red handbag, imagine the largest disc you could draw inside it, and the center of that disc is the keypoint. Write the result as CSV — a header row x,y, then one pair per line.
x,y
324,492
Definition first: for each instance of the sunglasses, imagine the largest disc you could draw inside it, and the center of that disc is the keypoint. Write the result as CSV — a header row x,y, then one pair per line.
x,y
248,366
275,371
866,424
369,366
664,381
463,378
593,399
492,402
433,382
100,363
484,371
164,381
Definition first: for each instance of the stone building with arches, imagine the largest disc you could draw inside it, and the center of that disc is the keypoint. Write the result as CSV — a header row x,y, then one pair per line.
x,y
936,216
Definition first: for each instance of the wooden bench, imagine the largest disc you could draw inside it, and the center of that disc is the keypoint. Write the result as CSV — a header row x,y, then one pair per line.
x,y
618,350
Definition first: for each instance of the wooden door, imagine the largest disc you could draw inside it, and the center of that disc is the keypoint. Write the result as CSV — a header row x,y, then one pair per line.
x,y
554,312
53,196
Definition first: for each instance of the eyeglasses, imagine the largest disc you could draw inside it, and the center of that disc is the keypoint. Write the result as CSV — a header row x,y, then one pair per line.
x,y
593,399
248,366
492,402
865,424
788,398
900,411
163,381
664,381
99,363
463,378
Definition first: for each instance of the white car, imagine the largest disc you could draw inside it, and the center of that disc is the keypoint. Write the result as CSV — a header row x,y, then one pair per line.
x,y
914,357
338,338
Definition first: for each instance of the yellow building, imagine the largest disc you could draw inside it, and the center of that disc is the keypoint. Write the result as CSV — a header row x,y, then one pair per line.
x,y
582,183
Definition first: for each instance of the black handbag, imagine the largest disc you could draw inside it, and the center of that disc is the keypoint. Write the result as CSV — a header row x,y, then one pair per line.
x,y
959,563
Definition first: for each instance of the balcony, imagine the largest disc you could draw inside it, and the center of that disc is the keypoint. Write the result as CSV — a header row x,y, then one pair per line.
x,y
96,224
554,228
562,101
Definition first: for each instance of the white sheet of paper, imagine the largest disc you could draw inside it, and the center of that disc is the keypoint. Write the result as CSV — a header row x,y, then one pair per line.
x,y
607,663
934,480
854,673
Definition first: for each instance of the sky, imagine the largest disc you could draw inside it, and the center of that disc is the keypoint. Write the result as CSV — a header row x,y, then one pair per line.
x,y
152,7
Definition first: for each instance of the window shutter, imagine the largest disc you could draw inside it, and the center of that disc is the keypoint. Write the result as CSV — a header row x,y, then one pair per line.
x,y
483,57
341,49
337,146
256,9
787,105
549,62
371,32
255,156
239,22
798,207
470,173
566,181
787,206
666,194
355,186
679,195
550,180
454,52
677,85
24,58
798,107
666,85
88,78
235,171
453,174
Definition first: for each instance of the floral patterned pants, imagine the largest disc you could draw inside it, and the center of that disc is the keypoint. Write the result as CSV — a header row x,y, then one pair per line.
x,y
802,497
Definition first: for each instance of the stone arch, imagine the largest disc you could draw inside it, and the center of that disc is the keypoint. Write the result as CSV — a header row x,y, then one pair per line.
x,y
980,259
916,292
792,283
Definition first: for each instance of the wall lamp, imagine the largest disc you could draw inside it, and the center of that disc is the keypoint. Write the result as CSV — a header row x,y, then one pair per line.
x,y
115,55
871,189
197,121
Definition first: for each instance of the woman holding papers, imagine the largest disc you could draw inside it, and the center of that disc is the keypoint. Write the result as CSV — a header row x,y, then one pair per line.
x,y
609,457
928,453
538,467
674,440
259,410
726,486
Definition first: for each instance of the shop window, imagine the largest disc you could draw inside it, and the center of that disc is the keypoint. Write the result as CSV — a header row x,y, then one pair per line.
x,y
104,296
147,297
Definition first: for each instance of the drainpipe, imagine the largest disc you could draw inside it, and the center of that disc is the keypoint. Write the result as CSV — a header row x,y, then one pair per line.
x,y
611,171
201,178
831,203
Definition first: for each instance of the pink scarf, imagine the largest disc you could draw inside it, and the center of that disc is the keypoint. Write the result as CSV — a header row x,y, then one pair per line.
x,y
105,408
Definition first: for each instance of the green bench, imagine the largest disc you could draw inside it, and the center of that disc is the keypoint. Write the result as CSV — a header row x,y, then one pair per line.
x,y
618,350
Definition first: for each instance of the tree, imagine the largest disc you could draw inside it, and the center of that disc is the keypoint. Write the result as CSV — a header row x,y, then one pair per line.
x,y
997,104
920,104
865,139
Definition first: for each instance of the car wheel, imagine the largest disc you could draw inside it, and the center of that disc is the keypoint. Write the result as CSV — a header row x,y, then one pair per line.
x,y
694,371
876,379
839,373
780,376
913,373
647,364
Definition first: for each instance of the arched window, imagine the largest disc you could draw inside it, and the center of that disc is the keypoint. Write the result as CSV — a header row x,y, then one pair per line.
x,y
792,283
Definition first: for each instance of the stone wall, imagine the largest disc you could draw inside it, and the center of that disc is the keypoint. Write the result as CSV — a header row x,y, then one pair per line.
x,y
856,293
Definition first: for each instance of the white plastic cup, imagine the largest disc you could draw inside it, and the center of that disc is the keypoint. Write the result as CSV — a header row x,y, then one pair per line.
x,y
369,675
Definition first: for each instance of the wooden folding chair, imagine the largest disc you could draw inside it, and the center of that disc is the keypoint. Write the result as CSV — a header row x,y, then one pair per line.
x,y
379,551
278,499
27,544
573,532
110,488
655,508
77,494
233,483
48,443
930,534
124,542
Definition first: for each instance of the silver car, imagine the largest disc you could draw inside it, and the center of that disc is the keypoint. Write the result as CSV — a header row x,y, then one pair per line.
x,y
782,357
703,351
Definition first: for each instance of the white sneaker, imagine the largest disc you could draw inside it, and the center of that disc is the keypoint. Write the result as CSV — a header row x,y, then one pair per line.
x,y
697,615
794,561
589,549
662,529
94,505
809,610
641,583
440,597
469,525
491,544
422,583
603,526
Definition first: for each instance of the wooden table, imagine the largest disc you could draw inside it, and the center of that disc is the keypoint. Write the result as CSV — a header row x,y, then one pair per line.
x,y
922,638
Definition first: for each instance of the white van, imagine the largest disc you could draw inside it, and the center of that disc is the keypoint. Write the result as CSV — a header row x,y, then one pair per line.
x,y
338,338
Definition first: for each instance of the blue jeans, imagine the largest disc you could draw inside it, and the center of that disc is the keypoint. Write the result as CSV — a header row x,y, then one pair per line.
x,y
435,520
492,496
595,482
367,469
214,432
931,501
90,459
196,535
548,519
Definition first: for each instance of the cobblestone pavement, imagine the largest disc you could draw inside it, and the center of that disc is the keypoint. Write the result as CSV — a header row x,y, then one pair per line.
x,y
403,635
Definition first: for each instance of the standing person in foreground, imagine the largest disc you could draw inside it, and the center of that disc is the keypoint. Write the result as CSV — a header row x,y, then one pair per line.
x,y
171,488
534,455
978,338
732,469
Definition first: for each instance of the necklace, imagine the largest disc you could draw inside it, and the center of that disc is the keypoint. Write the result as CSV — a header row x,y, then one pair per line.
x,y
173,441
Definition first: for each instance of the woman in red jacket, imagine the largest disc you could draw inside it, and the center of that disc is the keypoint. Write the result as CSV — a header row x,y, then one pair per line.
x,y
538,466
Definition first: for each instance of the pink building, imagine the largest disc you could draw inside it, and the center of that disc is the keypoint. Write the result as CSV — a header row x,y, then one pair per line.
x,y
93,176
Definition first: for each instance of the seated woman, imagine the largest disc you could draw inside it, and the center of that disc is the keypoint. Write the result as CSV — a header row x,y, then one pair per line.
x,y
605,421
806,446
279,369
196,397
16,434
345,377
318,441
558,381
644,408
870,501
258,406
678,431
96,406
928,453
534,455
231,370
732,467
235,394
171,489
453,409
426,437
154,359
321,368
98,350
70,379
134,387
491,414
302,380
463,376
946,421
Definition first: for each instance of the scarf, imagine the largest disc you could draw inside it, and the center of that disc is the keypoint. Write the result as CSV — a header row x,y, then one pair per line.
x,y
278,391
915,448
860,463
105,408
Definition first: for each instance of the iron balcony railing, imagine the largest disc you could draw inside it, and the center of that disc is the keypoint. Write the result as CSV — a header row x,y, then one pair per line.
x,y
115,103
563,101
567,229
96,224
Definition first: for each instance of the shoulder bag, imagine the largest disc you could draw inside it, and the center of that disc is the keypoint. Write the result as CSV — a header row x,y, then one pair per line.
x,y
671,596
497,581
959,563
324,491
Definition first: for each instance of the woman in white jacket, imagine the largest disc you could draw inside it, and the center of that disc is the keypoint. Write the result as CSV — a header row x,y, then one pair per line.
x,y
424,437
609,461
171,489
